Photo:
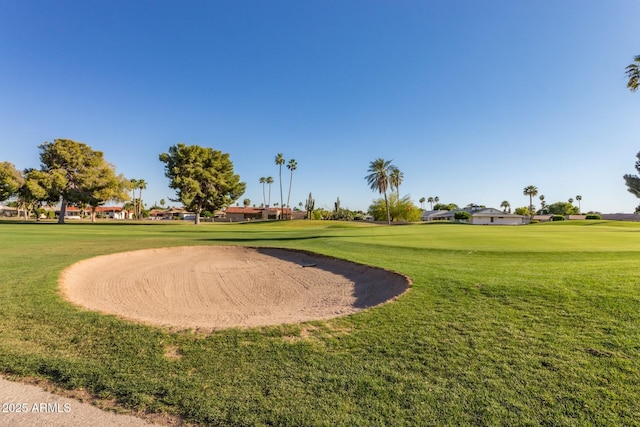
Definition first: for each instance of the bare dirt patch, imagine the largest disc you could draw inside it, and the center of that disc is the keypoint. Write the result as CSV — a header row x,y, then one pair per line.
x,y
214,287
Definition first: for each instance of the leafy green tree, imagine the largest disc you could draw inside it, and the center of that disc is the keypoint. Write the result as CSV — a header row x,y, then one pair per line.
x,y
562,208
202,177
633,74
399,209
105,185
28,199
279,162
378,179
11,180
462,216
445,207
246,203
292,165
524,211
67,173
531,191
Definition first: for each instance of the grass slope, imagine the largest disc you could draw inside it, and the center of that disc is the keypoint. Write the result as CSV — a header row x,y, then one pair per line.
x,y
535,325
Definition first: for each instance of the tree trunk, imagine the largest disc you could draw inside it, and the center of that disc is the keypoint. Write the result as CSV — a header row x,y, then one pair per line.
x,y
386,204
63,211
93,214
197,220
289,195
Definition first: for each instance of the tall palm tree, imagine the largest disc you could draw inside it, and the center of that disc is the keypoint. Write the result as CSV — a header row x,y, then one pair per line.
x,y
395,179
422,200
280,162
142,185
263,180
633,73
430,200
570,200
531,191
505,205
579,199
269,181
134,187
292,165
378,179
436,199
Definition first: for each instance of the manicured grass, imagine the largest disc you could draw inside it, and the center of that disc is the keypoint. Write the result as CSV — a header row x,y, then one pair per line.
x,y
533,325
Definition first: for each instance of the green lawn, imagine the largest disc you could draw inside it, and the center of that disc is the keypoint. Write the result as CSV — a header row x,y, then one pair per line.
x,y
531,325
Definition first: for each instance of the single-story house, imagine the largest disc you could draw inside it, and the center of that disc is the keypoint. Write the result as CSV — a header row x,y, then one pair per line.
x,y
8,211
247,213
237,213
483,216
491,216
432,215
113,212
172,213
571,217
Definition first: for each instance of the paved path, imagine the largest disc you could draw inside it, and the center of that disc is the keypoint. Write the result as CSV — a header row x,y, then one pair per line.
x,y
28,405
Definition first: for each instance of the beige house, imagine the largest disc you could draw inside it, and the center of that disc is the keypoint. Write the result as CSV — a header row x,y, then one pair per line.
x,y
483,216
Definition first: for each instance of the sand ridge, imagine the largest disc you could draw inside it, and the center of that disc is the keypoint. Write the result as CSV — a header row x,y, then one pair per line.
x,y
215,287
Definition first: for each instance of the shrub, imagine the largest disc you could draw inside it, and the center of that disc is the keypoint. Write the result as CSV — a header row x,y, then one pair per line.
x,y
557,218
593,216
462,215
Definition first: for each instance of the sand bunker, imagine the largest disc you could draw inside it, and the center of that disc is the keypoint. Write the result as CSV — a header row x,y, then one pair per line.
x,y
213,287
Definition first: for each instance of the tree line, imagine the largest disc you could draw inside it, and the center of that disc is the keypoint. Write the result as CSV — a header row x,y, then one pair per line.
x,y
73,174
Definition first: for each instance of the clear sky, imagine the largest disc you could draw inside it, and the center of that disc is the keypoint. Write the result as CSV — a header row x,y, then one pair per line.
x,y
472,100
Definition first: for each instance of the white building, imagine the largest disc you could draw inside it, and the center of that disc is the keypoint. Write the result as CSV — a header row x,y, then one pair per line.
x,y
483,216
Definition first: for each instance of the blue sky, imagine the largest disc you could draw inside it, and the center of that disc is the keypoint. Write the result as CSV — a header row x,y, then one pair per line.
x,y
472,100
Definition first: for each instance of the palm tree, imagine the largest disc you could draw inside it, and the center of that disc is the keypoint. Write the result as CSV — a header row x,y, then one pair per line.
x,y
292,165
142,185
436,199
269,181
505,205
263,180
571,200
378,179
134,186
543,204
430,200
422,200
280,162
633,73
395,179
579,199
531,191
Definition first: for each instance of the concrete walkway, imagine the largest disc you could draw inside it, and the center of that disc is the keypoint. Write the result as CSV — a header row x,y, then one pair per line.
x,y
28,405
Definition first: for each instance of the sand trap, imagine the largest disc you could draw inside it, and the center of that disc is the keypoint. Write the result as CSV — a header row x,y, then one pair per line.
x,y
213,287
